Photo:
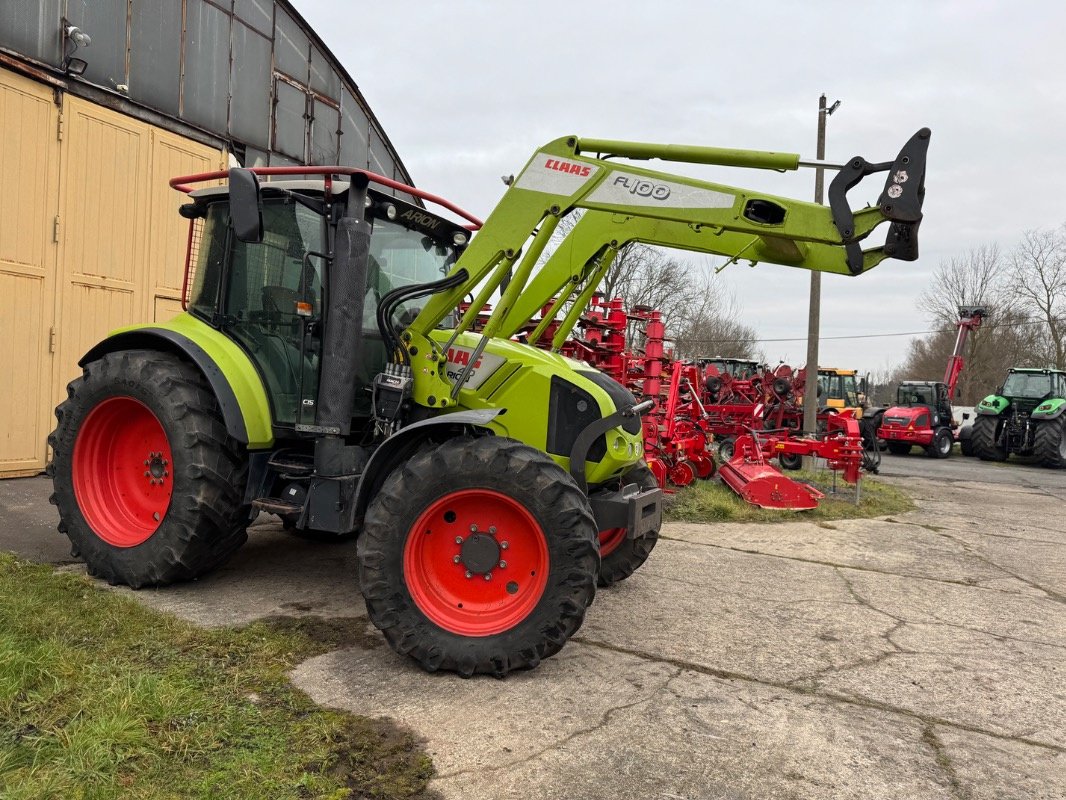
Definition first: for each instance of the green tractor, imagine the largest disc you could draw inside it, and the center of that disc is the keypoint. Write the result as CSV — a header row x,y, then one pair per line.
x,y
323,371
1025,417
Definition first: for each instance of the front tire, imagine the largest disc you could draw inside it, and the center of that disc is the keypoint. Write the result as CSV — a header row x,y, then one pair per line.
x,y
899,448
983,439
621,556
1049,442
149,485
478,556
942,443
790,461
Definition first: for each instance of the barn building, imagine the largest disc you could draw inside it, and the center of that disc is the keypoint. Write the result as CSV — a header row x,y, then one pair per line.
x,y
101,103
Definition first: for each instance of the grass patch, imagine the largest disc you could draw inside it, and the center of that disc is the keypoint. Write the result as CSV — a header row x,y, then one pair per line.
x,y
713,501
101,697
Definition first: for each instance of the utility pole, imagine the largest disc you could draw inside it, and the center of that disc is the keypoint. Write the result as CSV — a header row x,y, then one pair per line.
x,y
810,389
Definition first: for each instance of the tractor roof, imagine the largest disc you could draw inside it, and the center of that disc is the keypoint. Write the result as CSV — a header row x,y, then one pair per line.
x,y
1037,370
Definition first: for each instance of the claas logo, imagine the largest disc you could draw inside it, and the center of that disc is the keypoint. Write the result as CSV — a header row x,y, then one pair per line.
x,y
582,170
461,357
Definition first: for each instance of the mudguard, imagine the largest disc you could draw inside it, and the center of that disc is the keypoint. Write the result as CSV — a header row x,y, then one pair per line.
x,y
1050,409
232,377
993,405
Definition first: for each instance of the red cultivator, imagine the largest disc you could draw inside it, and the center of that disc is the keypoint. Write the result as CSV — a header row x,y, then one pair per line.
x,y
750,410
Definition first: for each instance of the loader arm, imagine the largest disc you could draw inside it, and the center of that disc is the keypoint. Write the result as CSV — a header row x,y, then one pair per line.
x,y
627,203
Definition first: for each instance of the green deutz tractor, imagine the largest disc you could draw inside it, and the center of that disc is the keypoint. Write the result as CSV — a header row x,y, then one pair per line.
x,y
1025,417
323,372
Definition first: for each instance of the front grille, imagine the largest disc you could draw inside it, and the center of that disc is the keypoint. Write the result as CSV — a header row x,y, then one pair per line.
x,y
570,410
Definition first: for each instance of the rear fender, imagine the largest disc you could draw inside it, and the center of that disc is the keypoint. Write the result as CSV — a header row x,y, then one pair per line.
x,y
993,405
1050,409
231,375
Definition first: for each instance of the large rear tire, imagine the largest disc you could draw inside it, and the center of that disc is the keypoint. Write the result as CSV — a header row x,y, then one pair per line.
x,y
1049,442
983,439
478,556
620,556
149,485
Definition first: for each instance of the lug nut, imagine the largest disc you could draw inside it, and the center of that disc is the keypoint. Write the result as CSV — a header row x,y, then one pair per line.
x,y
147,462
503,565
473,528
492,529
457,559
504,545
148,474
458,539
488,576
469,574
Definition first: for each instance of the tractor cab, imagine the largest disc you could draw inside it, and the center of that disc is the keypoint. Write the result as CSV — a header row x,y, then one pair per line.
x,y
258,270
924,394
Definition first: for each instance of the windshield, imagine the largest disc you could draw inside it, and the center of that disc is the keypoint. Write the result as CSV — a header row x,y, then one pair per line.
x,y
1033,385
401,257
914,394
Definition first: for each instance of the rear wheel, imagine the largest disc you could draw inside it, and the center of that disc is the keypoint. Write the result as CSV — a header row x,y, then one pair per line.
x,y
148,483
899,448
983,439
942,443
725,449
620,556
790,461
478,556
1050,442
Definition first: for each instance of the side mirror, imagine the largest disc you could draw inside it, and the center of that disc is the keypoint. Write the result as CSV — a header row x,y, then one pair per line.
x,y
245,205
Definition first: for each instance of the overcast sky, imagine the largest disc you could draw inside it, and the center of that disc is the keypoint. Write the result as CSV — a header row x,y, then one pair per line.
x,y
468,90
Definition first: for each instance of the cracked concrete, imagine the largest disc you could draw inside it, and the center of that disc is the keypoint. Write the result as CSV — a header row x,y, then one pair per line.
x,y
920,656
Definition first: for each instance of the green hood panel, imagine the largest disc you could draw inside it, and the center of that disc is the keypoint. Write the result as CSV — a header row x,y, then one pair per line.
x,y
993,405
1050,409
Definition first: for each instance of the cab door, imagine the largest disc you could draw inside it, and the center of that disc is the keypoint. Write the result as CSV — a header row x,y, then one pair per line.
x,y
272,304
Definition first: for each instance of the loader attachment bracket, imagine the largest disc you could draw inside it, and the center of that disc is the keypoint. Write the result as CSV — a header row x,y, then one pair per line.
x,y
900,201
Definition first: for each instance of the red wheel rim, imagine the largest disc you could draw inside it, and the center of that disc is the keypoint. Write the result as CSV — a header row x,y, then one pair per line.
x,y
610,539
471,533
121,471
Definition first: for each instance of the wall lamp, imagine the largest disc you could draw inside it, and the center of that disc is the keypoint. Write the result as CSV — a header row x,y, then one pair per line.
x,y
73,35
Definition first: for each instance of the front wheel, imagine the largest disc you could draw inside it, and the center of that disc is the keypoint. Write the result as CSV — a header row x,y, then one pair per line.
x,y
149,485
478,556
899,448
1050,442
942,443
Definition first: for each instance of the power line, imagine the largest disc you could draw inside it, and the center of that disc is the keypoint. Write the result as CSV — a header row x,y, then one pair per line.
x,y
855,336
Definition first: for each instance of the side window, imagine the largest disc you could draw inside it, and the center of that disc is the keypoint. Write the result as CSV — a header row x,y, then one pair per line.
x,y
206,259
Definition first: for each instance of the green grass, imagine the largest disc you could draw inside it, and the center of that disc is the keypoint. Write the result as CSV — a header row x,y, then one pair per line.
x,y
712,501
101,697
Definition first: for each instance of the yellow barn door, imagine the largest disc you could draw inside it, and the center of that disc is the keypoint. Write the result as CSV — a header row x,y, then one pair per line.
x,y
29,204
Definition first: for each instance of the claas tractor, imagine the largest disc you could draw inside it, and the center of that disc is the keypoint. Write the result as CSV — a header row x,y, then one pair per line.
x,y
323,372
1026,416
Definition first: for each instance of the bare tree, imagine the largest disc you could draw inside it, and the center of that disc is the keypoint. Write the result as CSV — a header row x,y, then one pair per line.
x,y
1038,266
979,277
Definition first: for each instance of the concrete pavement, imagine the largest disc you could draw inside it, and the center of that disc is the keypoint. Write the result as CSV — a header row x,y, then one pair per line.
x,y
920,656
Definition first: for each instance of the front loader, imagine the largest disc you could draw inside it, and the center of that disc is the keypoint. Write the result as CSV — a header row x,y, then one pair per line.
x,y
322,372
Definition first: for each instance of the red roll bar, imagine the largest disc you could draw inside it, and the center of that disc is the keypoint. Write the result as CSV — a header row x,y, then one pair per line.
x,y
182,184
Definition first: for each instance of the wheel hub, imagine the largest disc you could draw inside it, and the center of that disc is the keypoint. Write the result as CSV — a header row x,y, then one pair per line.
x,y
480,553
158,468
